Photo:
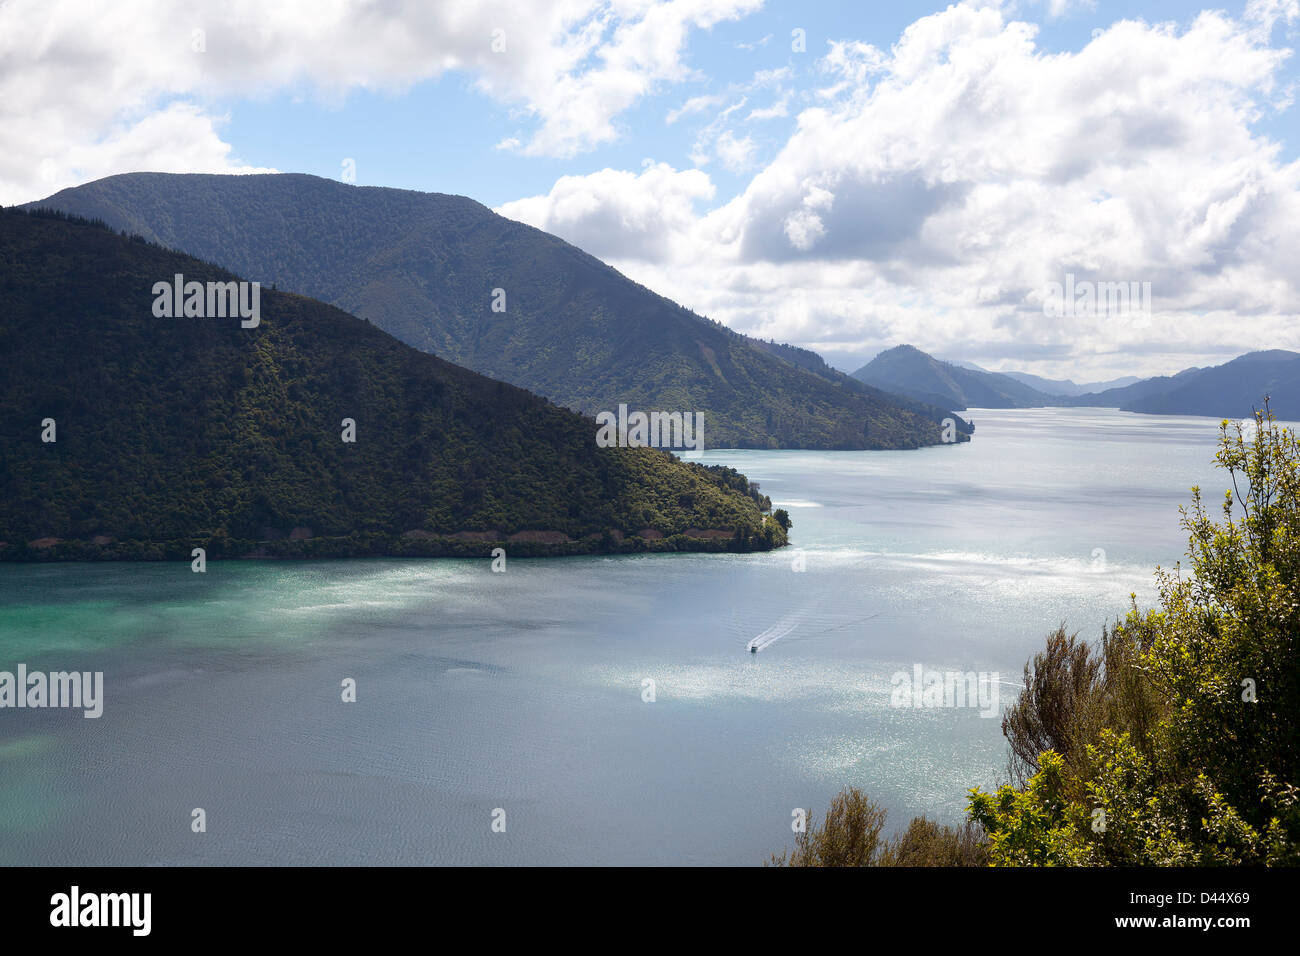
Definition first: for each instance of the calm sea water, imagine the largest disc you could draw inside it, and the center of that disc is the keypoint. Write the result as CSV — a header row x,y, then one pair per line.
x,y
525,690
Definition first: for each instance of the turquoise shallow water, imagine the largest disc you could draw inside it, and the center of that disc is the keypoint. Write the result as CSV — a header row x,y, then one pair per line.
x,y
524,690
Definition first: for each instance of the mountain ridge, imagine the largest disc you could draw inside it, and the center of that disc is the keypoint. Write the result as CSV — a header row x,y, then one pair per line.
x,y
1068,388
430,269
918,375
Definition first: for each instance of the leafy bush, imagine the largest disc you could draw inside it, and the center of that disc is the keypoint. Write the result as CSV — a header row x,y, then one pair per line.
x,y
1175,741
850,836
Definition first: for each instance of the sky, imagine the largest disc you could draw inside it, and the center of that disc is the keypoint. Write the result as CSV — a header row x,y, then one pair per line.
x,y
843,176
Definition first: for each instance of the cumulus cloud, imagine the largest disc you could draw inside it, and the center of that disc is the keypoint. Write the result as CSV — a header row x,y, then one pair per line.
x,y
86,87
627,216
736,153
937,188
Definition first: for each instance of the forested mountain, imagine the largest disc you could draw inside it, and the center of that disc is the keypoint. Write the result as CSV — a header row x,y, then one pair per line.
x,y
128,435
427,268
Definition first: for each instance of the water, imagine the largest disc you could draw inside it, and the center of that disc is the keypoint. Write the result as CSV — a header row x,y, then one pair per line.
x,y
524,690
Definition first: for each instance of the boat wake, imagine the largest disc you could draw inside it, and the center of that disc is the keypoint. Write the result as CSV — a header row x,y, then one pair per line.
x,y
771,635
786,627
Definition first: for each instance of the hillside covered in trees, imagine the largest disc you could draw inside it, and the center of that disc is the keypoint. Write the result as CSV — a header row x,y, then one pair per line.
x,y
128,435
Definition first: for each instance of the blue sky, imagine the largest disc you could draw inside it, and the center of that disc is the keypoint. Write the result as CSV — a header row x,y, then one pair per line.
x,y
917,173
438,135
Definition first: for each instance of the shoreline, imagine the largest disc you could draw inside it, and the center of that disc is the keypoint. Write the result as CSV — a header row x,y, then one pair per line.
x,y
719,541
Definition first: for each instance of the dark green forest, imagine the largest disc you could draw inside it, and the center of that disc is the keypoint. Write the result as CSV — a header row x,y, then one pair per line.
x,y
174,433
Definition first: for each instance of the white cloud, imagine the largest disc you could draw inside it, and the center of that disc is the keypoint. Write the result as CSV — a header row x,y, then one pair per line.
x,y
577,107
1062,8
736,153
804,226
627,216
756,45
716,139
777,110
1264,14
86,86
929,196
941,185
696,104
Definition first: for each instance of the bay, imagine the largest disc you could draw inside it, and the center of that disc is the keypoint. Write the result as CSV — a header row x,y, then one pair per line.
x,y
527,691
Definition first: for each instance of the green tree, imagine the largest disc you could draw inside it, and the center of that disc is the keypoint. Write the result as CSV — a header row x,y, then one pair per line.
x,y
1174,741
849,836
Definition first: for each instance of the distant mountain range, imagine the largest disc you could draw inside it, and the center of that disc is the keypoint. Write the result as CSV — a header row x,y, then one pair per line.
x,y
125,434
1050,386
448,276
1231,390
908,371
1057,386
